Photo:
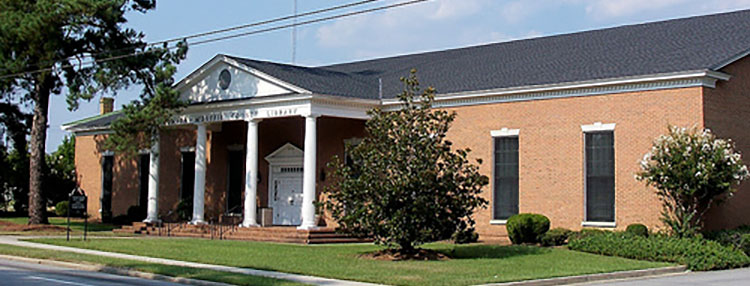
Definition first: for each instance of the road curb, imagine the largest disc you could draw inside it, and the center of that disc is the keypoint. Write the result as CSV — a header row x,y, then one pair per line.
x,y
596,277
114,270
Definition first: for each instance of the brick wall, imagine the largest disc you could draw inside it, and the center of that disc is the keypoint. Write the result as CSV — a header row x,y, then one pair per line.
x,y
551,149
727,113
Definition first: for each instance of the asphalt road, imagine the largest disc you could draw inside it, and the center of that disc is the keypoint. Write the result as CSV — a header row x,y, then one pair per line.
x,y
713,278
21,273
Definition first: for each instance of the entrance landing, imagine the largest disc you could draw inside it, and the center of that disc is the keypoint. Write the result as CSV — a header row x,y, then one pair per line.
x,y
284,234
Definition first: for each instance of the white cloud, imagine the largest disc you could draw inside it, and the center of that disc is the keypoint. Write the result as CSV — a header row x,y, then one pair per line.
x,y
430,25
609,8
604,9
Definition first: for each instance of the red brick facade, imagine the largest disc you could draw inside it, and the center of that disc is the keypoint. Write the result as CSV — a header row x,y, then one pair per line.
x,y
551,178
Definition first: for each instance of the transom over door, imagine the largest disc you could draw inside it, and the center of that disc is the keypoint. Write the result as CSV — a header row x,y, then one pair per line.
x,y
286,195
285,184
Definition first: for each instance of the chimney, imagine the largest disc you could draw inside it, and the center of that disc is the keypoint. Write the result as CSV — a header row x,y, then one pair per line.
x,y
106,105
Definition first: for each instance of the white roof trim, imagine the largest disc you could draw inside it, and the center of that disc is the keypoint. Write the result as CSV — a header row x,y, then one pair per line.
x,y
224,59
599,83
732,59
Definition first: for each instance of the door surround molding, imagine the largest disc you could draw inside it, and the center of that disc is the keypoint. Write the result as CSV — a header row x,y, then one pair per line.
x,y
287,155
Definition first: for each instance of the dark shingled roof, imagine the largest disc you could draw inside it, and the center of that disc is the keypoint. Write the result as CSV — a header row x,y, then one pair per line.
x,y
695,43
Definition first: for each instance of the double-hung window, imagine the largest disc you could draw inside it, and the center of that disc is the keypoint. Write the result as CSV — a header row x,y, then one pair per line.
x,y
599,157
505,174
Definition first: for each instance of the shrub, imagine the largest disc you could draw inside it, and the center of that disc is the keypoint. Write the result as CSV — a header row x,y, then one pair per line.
x,y
692,170
61,208
738,238
527,228
185,209
468,235
698,254
409,184
555,237
122,220
136,213
637,229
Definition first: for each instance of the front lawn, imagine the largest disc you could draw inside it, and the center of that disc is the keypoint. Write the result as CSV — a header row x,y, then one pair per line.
x,y
76,224
168,270
471,264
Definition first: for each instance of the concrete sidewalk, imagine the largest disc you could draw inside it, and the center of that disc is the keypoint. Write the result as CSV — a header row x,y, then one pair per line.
x,y
312,280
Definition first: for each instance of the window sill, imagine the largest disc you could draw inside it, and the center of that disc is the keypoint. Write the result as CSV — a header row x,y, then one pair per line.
x,y
498,221
598,224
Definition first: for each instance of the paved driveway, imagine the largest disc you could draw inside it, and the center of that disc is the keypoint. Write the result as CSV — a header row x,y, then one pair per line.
x,y
713,278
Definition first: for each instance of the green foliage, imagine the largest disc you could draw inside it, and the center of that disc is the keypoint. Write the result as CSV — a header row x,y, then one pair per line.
x,y
14,160
468,235
81,47
637,229
142,119
15,174
526,228
738,238
691,170
555,237
61,208
60,171
407,185
697,253
185,209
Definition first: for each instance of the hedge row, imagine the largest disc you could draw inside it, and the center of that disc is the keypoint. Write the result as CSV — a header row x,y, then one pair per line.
x,y
698,254
738,238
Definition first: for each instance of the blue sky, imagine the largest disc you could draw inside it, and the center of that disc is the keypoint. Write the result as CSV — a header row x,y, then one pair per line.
x,y
427,26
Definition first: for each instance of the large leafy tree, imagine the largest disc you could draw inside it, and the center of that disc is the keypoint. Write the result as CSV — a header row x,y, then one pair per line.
x,y
405,185
47,47
692,170
14,159
60,172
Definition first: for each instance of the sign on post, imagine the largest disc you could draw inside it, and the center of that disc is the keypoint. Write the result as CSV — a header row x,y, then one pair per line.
x,y
77,202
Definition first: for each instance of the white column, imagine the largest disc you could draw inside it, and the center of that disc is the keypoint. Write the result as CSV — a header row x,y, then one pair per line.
x,y
251,174
200,175
153,184
308,175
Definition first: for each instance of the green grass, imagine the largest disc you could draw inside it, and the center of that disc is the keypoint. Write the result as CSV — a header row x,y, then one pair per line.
x,y
471,264
76,224
176,271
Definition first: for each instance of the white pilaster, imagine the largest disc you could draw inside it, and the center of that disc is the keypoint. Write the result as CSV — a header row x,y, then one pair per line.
x,y
200,175
251,174
153,183
308,175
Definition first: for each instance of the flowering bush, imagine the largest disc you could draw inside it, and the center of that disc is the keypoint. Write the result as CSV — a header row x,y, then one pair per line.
x,y
691,170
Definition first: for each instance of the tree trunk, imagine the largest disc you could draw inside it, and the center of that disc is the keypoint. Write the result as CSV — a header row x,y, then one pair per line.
x,y
37,205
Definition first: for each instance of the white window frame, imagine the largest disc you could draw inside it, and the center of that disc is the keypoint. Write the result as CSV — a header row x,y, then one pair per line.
x,y
596,127
503,132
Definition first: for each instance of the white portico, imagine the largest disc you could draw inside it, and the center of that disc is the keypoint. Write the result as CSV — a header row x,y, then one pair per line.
x,y
282,147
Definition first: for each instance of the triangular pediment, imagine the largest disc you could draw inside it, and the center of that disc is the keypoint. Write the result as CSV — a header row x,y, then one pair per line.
x,y
286,154
224,79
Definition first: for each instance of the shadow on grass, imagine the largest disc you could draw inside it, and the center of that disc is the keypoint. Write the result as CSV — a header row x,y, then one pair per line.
x,y
480,251
208,275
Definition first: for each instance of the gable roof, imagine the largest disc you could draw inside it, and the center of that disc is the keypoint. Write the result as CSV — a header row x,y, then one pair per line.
x,y
687,44
701,43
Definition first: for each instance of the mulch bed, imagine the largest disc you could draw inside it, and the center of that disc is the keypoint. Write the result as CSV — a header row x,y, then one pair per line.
x,y
395,255
9,226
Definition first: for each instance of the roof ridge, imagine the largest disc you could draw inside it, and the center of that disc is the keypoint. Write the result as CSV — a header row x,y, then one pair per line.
x,y
660,22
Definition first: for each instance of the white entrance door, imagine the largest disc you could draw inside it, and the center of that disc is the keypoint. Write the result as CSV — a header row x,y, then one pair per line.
x,y
286,195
